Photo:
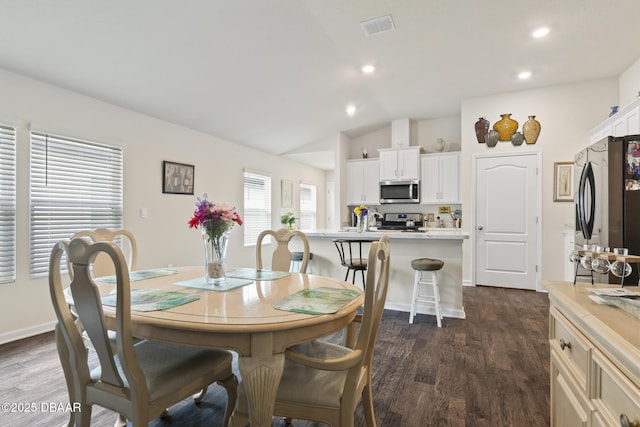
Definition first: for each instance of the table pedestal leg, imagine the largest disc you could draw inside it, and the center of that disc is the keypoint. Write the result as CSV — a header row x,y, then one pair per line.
x,y
260,378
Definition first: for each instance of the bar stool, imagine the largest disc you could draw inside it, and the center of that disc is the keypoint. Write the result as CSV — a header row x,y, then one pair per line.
x,y
350,252
423,266
296,262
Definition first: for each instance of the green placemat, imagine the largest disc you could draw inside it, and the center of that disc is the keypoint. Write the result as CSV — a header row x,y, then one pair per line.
x,y
152,299
254,274
229,283
134,276
317,301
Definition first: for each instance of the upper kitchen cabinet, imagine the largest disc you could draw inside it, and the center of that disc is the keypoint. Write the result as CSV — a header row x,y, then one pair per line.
x,y
625,122
440,180
363,182
401,164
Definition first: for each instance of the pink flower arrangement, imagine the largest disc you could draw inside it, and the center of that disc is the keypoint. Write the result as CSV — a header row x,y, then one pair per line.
x,y
223,215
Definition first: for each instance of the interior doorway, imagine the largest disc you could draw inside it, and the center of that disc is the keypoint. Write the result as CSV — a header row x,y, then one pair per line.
x,y
506,220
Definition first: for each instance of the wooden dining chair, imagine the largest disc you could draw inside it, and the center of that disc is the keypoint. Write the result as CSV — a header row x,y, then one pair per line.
x,y
324,382
102,266
281,259
137,380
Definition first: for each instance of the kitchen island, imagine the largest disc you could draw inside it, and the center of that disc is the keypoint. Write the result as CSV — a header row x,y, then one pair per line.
x,y
440,243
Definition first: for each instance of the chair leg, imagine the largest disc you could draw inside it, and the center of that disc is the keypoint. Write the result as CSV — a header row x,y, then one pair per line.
x,y
231,386
367,405
121,421
197,398
240,416
364,284
436,298
414,297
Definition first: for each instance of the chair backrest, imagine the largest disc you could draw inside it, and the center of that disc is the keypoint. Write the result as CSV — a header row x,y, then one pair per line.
x,y
88,307
102,265
281,259
374,299
350,251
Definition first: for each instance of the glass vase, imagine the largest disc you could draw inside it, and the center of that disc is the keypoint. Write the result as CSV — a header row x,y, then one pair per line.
x,y
215,236
361,223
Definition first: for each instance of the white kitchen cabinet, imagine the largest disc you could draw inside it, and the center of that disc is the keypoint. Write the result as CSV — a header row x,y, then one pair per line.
x,y
625,122
595,359
400,164
363,182
440,178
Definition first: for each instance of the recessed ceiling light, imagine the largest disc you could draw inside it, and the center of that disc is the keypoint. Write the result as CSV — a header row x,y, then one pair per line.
x,y
524,75
368,69
351,109
540,32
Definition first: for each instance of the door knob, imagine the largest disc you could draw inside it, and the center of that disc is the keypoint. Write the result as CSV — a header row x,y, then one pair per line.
x,y
480,227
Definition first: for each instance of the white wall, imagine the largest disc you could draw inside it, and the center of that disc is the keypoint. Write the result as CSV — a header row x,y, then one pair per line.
x,y
566,114
423,132
164,237
630,84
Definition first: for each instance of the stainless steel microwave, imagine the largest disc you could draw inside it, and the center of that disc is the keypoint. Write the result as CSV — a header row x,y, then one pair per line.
x,y
400,192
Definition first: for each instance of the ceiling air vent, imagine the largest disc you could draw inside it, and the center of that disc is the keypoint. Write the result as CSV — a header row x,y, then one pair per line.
x,y
377,25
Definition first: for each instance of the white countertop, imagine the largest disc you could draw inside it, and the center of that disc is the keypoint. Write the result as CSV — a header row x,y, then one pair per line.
x,y
429,233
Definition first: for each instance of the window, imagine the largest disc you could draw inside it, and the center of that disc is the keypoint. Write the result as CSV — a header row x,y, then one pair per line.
x,y
257,206
75,185
7,204
307,207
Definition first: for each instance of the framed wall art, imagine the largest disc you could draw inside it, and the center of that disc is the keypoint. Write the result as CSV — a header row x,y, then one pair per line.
x,y
287,194
563,182
177,178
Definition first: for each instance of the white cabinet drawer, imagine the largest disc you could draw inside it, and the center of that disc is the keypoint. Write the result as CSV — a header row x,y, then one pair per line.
x,y
571,346
613,393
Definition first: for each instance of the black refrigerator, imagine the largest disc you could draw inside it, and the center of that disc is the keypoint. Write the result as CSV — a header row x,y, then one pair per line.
x,y
607,199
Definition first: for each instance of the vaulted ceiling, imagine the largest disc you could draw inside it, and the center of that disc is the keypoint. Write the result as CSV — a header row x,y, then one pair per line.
x,y
277,75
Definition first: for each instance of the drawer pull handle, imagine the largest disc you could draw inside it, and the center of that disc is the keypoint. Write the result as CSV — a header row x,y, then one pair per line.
x,y
624,422
564,344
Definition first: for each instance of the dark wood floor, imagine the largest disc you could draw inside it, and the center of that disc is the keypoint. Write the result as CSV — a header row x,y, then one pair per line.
x,y
491,369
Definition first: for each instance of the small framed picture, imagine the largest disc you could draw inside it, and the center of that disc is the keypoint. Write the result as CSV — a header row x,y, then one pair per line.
x,y
286,194
563,182
177,178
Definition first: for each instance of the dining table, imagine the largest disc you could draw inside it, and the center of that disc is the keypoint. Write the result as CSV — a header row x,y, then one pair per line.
x,y
256,314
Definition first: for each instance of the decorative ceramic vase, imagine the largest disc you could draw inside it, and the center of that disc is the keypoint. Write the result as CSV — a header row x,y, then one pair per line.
x,y
505,127
215,236
517,138
440,145
531,130
482,127
491,138
614,110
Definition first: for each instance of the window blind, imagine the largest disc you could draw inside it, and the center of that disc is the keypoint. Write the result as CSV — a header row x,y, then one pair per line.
x,y
7,204
75,185
257,207
308,207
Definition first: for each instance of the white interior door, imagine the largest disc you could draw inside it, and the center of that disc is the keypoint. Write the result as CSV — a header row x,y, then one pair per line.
x,y
506,221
